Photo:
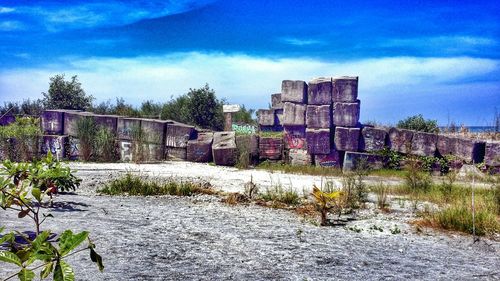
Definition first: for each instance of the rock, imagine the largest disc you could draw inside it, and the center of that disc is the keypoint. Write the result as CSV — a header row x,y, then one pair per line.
x,y
294,114
299,157
109,122
270,148
73,148
352,159
276,102
176,153
52,122
224,150
265,117
178,134
200,150
318,116
154,130
446,145
126,127
333,159
294,91
54,144
400,140
295,137
346,114
471,151
126,150
373,139
492,154
467,171
423,144
318,141
71,119
6,120
345,89
319,91
347,139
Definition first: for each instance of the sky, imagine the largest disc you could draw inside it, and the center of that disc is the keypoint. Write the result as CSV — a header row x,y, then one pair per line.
x,y
436,58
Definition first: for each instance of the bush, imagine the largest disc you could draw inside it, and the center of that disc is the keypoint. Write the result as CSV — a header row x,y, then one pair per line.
x,y
459,218
20,140
418,123
64,94
86,128
105,145
278,194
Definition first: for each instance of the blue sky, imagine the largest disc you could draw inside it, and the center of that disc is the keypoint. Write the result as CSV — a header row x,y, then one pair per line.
x,y
438,58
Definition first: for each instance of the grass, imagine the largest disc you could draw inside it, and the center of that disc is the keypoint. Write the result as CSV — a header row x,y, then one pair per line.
x,y
277,194
304,170
139,186
266,134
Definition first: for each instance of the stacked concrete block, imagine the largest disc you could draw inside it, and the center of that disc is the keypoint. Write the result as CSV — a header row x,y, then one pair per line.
x,y
52,122
345,89
178,135
278,119
318,116
126,150
294,137
276,102
423,144
492,154
347,139
294,91
126,127
471,151
224,150
446,145
400,140
353,159
71,119
373,139
108,122
55,144
249,144
72,148
200,150
153,152
299,157
318,141
154,130
319,91
265,117
270,148
270,120
333,159
175,153
294,114
346,114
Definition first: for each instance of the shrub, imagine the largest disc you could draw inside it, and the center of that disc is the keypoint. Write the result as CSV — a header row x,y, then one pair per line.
x,y
382,191
64,94
20,140
278,194
105,145
326,201
415,179
418,123
86,128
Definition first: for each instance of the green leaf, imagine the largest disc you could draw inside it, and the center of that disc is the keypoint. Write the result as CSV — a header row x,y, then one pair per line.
x,y
42,237
63,272
97,259
10,258
70,241
37,194
7,237
26,275
47,270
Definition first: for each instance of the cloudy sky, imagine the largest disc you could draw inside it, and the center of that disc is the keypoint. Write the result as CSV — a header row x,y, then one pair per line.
x,y
438,58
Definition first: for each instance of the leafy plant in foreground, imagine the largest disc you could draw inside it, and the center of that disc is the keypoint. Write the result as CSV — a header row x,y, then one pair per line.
x,y
325,201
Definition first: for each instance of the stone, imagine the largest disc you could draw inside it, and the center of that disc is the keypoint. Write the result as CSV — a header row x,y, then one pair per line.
x,y
270,148
71,119
154,130
294,137
333,159
52,122
318,141
54,144
7,119
200,150
299,157
276,102
294,114
178,134
73,148
347,139
423,144
400,140
492,154
225,153
345,89
373,139
352,159
294,91
127,126
224,137
446,145
346,114
471,151
467,171
318,116
126,150
319,91
265,117
176,153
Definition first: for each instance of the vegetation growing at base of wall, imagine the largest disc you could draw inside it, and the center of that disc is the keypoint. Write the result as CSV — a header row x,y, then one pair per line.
x,y
96,142
20,141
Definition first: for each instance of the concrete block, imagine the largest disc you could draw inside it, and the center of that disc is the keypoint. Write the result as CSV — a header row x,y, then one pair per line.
x,y
55,144
154,130
294,91
318,141
126,126
318,116
73,149
276,102
423,144
319,91
52,122
109,122
373,139
334,159
347,139
352,159
126,150
471,151
278,118
270,148
446,145
178,134
71,119
346,114
7,119
225,153
294,114
224,137
265,117
492,154
153,152
400,140
299,157
176,153
294,137
249,143
345,89
200,150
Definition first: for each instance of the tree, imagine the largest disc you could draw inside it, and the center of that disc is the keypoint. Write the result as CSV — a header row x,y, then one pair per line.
x,y
64,94
418,123
244,116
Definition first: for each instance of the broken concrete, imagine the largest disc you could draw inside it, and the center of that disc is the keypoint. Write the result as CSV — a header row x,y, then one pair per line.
x,y
318,116
347,139
319,91
200,150
345,89
294,137
318,141
423,144
353,159
294,91
346,114
373,139
400,140
294,114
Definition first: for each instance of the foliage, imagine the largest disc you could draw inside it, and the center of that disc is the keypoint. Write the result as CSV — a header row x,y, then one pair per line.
x,y
244,116
269,134
64,94
418,123
150,109
105,145
86,128
278,194
325,201
25,108
459,217
392,158
138,141
415,179
20,139
382,192
24,188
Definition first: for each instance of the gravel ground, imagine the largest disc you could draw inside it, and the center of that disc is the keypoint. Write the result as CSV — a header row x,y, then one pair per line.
x,y
199,238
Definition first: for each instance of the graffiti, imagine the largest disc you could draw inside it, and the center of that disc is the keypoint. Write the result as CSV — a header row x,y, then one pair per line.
x,y
328,160
74,149
177,141
125,132
126,151
244,129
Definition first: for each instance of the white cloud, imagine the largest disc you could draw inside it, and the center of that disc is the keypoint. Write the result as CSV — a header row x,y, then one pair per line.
x,y
5,10
11,25
301,41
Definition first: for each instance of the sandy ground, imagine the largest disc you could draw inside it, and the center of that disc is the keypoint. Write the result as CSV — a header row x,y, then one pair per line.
x,y
200,238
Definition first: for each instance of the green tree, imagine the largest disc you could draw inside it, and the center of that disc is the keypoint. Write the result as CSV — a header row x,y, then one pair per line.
x,y
64,94
418,123
244,116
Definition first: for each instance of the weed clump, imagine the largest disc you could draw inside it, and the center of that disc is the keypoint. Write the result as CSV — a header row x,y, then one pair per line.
x,y
278,194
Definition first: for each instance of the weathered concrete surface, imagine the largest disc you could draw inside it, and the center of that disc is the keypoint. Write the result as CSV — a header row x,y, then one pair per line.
x,y
345,89
154,152
294,114
52,122
224,150
347,139
175,153
446,145
294,137
400,140
299,157
353,159
333,160
318,116
423,144
270,148
318,141
126,150
126,126
249,143
54,144
224,136
70,121
346,114
6,120
492,154
200,150
265,117
294,91
178,134
278,118
73,148
276,102
471,151
373,139
319,91
109,122
154,130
